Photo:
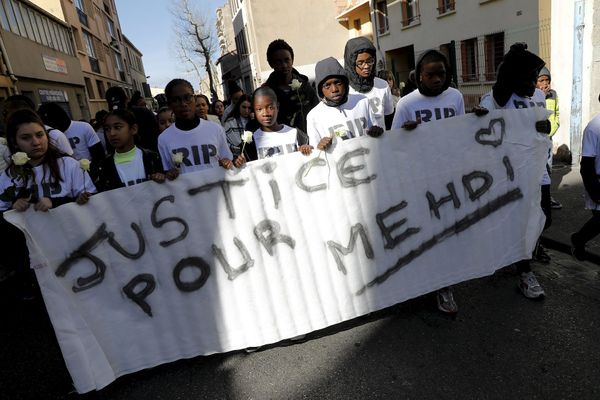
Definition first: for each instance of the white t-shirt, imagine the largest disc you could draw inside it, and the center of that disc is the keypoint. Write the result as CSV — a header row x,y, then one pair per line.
x,y
516,102
132,172
591,148
202,147
351,119
75,181
380,100
270,144
81,136
417,107
59,140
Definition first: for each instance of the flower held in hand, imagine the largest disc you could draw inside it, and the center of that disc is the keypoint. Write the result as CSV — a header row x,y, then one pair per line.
x,y
84,164
20,158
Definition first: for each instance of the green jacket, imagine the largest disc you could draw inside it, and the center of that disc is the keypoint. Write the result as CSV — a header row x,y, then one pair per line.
x,y
552,106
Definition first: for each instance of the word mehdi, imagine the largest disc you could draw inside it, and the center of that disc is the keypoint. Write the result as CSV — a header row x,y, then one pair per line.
x,y
268,232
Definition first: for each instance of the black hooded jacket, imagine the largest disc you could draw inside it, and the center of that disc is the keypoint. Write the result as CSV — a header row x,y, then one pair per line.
x,y
428,54
517,73
353,48
294,105
329,68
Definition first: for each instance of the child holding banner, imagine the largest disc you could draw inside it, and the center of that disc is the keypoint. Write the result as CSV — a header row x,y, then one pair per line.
x,y
339,114
434,99
273,138
200,143
515,88
41,175
129,164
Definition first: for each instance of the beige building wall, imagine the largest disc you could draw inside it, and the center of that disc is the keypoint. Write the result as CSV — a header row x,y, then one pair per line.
x,y
309,26
53,7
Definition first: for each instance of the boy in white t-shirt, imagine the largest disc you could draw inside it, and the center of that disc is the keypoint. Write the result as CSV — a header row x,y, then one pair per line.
x,y
434,99
339,114
359,63
515,88
272,138
202,143
590,171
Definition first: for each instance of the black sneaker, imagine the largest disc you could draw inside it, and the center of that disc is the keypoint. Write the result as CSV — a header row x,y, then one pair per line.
x,y
577,250
540,255
555,205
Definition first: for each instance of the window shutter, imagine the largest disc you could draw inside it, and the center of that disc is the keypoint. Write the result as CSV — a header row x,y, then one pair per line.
x,y
463,61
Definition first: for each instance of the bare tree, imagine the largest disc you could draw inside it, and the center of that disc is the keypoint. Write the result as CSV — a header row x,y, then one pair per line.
x,y
196,39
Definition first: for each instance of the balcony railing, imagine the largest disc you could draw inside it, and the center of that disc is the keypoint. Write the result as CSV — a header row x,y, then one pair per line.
x,y
411,20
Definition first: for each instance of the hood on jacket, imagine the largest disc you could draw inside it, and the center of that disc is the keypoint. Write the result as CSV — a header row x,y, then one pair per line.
x,y
517,74
432,56
328,68
545,72
353,48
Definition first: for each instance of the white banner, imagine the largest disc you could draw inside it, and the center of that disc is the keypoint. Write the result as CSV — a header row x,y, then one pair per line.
x,y
223,260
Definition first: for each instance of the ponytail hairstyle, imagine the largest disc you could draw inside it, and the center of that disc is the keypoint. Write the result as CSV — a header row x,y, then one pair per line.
x,y
26,116
123,114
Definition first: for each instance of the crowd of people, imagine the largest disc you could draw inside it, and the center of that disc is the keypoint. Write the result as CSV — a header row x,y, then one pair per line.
x,y
44,151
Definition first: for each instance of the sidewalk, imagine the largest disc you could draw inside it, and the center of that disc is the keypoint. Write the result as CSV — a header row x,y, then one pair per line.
x,y
567,188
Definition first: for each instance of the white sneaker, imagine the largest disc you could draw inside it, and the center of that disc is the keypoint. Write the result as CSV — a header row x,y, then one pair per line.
x,y
529,285
445,301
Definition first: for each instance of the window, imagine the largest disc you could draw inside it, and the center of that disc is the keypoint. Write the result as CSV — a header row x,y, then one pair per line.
x,y
494,51
241,44
18,17
111,28
27,22
468,51
382,19
89,45
12,20
100,86
4,19
81,12
91,52
410,12
445,6
89,88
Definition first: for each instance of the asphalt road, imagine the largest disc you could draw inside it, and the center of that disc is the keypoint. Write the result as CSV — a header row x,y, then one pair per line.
x,y
501,346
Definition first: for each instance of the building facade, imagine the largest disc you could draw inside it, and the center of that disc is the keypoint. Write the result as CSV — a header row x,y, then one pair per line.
x,y
39,58
135,70
100,47
474,35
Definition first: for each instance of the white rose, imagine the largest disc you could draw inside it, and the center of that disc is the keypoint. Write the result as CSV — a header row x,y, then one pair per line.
x,y
247,137
84,164
3,141
340,132
20,158
295,85
177,158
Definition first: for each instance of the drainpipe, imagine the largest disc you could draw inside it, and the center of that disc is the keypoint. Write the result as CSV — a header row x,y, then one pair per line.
x,y
376,31
576,96
11,74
